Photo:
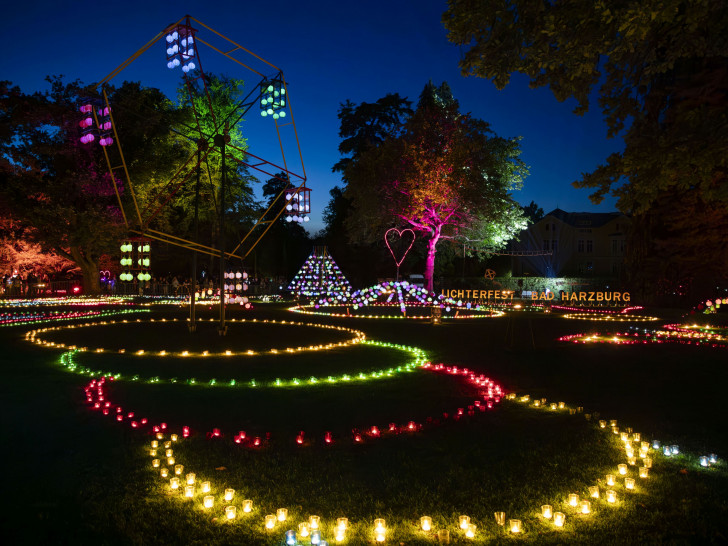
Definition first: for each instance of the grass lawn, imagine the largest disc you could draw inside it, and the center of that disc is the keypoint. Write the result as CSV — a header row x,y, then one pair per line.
x,y
75,476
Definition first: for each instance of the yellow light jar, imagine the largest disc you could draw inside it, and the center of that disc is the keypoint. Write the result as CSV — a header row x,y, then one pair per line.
x,y
644,471
314,522
636,436
615,430
270,521
282,514
230,493
303,529
160,436
152,452
205,487
470,533
174,483
173,437
379,525
155,463
632,461
647,462
624,437
170,461
342,523
169,453
231,512
164,472
585,507
247,506
611,496
208,501
167,444
594,491
562,405
426,523
178,469
500,518
514,525
629,484
559,519
602,424
573,500
340,535
610,479
547,511
190,478
464,521
644,446
622,469
189,491
155,444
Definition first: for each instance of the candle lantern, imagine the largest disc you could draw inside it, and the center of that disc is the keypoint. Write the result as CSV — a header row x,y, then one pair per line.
x,y
426,523
190,478
270,521
173,437
632,460
624,437
514,525
559,519
562,405
610,479
167,444
155,463
160,436
713,458
155,444
647,462
629,483
615,430
303,529
152,452
342,524
636,436
655,444
443,536
470,533
208,501
644,471
585,507
314,522
282,514
229,493
675,450
553,405
205,487
174,483
703,461
611,496
602,424
169,453
613,423
231,512
189,491
546,511
290,538
573,499
316,538
666,451
178,468
464,521
164,472
500,518
594,491
247,506
622,469
170,461
379,525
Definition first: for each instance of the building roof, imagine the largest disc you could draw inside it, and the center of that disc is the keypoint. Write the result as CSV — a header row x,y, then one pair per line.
x,y
584,219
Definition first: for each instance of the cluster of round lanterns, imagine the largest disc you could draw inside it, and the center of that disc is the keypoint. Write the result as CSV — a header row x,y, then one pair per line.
x,y
179,48
296,213
272,100
236,281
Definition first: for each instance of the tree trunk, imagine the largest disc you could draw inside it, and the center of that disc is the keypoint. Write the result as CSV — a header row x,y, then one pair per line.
x,y
89,270
430,264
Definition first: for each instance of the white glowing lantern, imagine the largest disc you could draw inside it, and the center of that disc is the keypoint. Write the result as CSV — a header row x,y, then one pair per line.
x,y
585,507
270,521
464,521
190,478
426,523
514,525
546,511
155,463
208,501
622,469
174,483
559,519
500,518
573,500
229,493
189,491
231,512
470,533
314,522
178,469
205,487
611,496
164,472
644,471
282,514
629,483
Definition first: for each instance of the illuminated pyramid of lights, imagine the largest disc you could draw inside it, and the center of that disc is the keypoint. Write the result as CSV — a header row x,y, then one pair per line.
x,y
320,277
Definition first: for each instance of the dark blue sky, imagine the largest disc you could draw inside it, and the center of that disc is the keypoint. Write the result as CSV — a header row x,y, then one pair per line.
x,y
329,51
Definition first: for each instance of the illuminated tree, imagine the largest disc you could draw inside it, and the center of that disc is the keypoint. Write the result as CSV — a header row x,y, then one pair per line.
x,y
447,175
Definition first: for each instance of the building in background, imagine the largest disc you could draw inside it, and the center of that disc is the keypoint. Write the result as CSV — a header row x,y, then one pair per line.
x,y
582,244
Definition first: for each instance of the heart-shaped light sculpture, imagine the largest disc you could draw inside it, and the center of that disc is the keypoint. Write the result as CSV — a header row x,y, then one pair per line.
x,y
399,235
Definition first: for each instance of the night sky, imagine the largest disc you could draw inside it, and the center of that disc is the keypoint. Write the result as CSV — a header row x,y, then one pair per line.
x,y
329,51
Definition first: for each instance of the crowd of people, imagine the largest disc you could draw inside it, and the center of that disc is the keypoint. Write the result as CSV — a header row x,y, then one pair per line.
x,y
22,286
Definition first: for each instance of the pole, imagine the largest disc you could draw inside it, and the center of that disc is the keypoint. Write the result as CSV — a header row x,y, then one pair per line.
x,y
220,140
193,293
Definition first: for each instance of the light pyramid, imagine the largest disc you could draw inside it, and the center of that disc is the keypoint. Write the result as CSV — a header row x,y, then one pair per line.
x,y
320,278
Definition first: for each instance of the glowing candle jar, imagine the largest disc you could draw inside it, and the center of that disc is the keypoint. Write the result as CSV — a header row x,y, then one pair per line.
x,y
174,483
426,523
316,538
282,514
615,430
562,405
160,436
155,444
632,461
229,494
205,487
644,446
704,461
553,405
602,424
613,423
647,462
573,500
314,522
152,452
559,519
303,529
585,507
470,533
644,471
247,506
290,538
190,478
629,484
189,491
443,536
611,496
666,451
655,444
208,501
547,511
231,512
167,444
155,463
464,521
270,521
164,472
514,525
500,518
713,458
170,461
675,450
594,491
169,453
173,437
178,469
379,530
622,469
636,436
342,524
624,437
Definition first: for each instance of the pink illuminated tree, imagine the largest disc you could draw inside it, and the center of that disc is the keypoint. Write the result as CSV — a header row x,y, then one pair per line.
x,y
448,175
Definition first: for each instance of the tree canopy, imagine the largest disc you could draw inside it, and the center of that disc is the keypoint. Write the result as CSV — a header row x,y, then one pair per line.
x,y
659,67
